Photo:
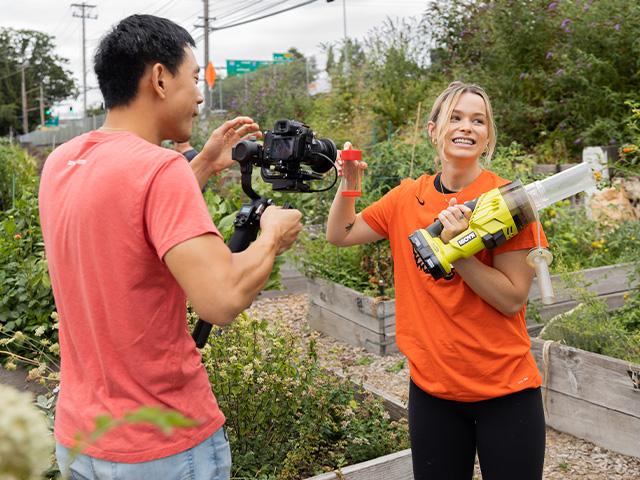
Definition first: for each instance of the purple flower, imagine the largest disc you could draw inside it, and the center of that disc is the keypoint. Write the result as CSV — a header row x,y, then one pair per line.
x,y
564,23
613,141
577,141
617,27
559,72
522,76
549,55
552,6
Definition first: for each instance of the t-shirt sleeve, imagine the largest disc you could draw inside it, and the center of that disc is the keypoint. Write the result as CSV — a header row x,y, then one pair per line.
x,y
378,215
525,240
175,210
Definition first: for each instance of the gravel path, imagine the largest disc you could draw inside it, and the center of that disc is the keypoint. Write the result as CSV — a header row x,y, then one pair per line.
x,y
566,457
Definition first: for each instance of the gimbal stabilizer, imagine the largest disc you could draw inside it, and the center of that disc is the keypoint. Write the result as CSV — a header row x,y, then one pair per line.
x,y
286,149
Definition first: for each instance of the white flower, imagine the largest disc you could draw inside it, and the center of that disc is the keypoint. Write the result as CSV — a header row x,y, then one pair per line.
x,y
40,331
25,441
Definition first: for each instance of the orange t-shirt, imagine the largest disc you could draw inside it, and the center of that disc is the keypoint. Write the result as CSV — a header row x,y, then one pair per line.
x,y
459,347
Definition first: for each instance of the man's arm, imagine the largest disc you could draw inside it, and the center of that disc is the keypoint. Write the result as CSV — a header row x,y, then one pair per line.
x,y
221,284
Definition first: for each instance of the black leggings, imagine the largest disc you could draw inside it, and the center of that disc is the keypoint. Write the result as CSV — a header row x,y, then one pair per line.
x,y
508,433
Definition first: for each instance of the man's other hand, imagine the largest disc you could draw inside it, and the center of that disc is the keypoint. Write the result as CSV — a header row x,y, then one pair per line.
x,y
217,150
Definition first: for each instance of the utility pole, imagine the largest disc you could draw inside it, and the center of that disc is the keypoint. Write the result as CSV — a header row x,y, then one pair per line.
x,y
84,13
41,98
23,89
207,29
207,95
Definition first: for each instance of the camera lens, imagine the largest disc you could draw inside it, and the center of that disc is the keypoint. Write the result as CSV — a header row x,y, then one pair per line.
x,y
246,150
326,147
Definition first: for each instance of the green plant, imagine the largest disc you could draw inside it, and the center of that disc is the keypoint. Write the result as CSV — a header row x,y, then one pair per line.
x,y
590,326
286,417
17,175
578,242
26,299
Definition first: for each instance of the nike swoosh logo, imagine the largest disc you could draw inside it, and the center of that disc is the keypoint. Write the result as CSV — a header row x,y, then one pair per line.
x,y
421,202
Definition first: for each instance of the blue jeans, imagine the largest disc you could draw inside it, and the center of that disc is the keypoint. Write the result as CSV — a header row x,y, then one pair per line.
x,y
209,460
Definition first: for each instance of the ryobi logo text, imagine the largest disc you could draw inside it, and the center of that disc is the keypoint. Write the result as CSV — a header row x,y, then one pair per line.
x,y
466,239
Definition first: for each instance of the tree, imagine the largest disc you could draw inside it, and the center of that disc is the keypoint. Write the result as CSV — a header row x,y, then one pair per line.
x,y
272,92
43,67
558,72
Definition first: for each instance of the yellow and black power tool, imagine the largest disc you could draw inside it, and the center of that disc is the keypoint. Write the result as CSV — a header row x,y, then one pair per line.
x,y
497,216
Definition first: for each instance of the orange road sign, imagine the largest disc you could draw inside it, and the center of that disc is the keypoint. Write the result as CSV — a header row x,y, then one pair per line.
x,y
210,75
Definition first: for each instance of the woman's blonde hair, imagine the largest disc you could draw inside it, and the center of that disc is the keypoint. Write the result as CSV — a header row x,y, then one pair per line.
x,y
443,109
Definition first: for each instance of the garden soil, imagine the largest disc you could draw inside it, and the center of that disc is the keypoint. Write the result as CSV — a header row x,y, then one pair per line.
x,y
566,457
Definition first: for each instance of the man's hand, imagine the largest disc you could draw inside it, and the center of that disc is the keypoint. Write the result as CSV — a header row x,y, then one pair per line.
x,y
217,151
283,223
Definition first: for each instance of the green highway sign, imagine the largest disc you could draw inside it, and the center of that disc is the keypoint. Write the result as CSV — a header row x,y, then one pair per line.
x,y
283,57
240,67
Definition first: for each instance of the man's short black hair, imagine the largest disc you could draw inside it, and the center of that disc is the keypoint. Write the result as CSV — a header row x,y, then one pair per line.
x,y
134,43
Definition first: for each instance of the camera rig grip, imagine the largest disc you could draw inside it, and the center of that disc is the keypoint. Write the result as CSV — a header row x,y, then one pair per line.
x,y
247,225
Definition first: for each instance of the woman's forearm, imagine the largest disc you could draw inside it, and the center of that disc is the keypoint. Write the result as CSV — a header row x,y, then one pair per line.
x,y
342,216
492,285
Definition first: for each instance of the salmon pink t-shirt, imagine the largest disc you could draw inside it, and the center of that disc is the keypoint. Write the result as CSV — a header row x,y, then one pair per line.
x,y
459,347
111,206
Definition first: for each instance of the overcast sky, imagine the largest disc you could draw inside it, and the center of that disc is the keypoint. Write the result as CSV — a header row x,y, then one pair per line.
x,y
304,28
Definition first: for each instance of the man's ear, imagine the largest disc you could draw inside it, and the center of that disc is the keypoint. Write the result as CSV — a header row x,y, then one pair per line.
x,y
158,79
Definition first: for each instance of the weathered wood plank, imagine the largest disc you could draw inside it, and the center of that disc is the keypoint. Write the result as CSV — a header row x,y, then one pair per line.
x,y
604,427
601,281
353,305
396,466
597,379
337,326
613,301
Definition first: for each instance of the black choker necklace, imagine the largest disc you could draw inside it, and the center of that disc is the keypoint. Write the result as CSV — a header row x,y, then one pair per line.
x,y
437,183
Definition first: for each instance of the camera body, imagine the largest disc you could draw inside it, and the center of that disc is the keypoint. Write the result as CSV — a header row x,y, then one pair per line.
x,y
289,146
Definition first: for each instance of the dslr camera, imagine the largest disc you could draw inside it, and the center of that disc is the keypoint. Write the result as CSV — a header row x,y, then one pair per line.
x,y
290,156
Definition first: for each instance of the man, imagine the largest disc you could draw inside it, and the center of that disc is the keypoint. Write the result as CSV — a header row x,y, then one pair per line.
x,y
128,236
186,149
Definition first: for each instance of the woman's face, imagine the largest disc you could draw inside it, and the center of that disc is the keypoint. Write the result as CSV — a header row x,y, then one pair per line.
x,y
467,133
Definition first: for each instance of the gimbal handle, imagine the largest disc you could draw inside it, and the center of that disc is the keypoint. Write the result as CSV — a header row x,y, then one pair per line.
x,y
247,224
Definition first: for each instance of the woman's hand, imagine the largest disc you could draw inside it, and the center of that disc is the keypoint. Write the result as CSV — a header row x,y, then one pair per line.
x,y
454,219
347,146
217,151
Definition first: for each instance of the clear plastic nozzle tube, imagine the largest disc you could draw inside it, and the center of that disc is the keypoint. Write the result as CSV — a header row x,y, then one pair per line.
x,y
540,259
561,185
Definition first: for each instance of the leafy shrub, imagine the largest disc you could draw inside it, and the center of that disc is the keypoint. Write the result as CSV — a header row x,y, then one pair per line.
x,y
286,417
26,299
578,243
591,327
17,175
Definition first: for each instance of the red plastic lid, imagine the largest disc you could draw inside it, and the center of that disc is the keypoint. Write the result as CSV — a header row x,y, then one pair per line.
x,y
351,154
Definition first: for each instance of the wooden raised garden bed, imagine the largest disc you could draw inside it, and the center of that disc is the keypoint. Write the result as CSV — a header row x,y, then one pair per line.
x,y
367,322
586,395
347,315
591,396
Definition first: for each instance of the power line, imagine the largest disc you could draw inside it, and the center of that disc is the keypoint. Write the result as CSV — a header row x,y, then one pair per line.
x,y
237,24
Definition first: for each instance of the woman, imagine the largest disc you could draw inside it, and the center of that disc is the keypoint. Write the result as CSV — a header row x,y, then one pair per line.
x,y
474,383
